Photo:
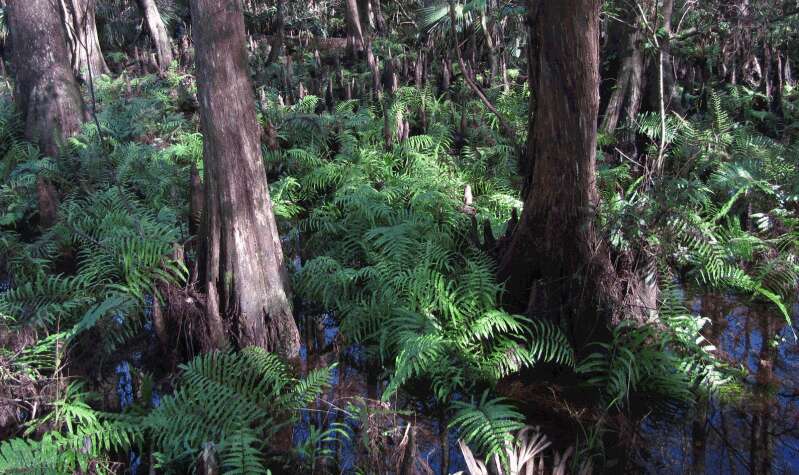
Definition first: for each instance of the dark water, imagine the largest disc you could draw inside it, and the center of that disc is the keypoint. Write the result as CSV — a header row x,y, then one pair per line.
x,y
352,404
755,430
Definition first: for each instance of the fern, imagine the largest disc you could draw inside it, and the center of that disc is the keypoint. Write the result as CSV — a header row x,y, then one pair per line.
x,y
235,400
487,425
79,436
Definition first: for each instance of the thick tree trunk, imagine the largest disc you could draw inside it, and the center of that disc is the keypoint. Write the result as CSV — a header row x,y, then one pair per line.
x,y
556,265
380,21
243,271
46,92
155,25
84,44
355,39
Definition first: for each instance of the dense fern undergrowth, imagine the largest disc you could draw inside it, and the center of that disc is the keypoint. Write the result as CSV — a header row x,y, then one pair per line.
x,y
385,242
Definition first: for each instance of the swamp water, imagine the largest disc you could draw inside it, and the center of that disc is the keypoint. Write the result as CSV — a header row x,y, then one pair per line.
x,y
755,430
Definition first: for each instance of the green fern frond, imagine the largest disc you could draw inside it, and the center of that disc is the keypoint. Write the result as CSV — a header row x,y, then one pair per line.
x,y
486,425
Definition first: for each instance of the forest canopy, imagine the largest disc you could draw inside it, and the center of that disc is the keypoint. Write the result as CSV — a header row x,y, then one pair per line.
x,y
399,237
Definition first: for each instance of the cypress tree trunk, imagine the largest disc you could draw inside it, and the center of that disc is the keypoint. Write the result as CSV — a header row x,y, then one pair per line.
x,y
163,49
625,101
489,30
243,272
380,21
672,99
355,38
556,265
278,33
84,44
772,81
787,72
46,92
627,85
366,13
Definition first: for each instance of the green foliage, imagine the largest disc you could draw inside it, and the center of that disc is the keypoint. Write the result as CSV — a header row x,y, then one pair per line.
x,y
388,243
237,402
721,179
90,279
119,219
487,425
78,436
635,360
394,260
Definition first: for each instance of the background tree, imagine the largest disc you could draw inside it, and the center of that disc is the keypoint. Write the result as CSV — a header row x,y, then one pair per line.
x,y
355,33
45,88
158,33
244,272
278,33
82,38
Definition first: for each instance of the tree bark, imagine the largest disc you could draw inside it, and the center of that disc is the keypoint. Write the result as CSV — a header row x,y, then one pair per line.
x,y
279,32
625,99
556,265
46,91
157,29
82,39
491,43
787,72
355,39
244,271
772,80
367,14
380,21
628,85
446,76
672,99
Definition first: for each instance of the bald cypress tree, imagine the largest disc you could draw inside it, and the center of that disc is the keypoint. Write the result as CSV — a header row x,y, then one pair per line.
x,y
82,38
244,273
46,91
158,33
556,265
